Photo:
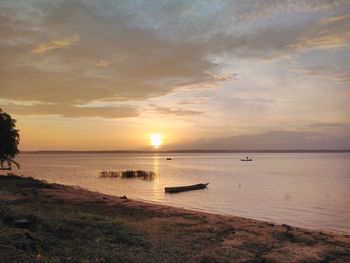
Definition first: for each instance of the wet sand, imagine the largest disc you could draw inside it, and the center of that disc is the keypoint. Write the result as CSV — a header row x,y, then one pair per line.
x,y
69,224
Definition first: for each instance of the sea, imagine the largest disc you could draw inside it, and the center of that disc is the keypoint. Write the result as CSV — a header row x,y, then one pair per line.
x,y
310,190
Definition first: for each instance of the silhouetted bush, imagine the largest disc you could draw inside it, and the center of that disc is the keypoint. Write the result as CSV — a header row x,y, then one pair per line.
x,y
9,140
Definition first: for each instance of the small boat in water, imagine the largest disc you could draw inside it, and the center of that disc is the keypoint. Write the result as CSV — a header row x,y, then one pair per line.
x,y
168,159
178,189
246,159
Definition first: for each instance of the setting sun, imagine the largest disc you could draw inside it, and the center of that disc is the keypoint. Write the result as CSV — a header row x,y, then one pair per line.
x,y
156,140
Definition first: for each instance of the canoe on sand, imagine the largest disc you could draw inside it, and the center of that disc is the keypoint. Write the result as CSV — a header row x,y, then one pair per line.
x,y
185,188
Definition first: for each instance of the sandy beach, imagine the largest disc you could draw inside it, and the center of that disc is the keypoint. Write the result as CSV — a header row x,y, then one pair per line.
x,y
44,222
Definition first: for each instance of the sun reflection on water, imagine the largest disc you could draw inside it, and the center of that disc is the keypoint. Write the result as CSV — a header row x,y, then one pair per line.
x,y
156,181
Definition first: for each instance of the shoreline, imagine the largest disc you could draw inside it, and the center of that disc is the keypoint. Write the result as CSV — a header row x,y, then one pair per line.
x,y
199,210
208,212
131,230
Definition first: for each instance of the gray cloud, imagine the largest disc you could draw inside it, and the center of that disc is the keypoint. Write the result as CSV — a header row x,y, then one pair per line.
x,y
75,52
175,111
325,72
138,64
72,111
327,125
196,100
274,140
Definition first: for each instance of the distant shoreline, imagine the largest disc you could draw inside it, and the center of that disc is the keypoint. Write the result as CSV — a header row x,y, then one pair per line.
x,y
187,151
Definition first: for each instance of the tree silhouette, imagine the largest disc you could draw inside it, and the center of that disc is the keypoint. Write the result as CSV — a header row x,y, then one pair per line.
x,y
9,139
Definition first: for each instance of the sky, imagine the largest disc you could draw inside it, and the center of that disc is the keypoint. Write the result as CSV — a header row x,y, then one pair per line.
x,y
106,75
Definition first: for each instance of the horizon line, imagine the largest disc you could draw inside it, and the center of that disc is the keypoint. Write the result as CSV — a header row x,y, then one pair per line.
x,y
189,151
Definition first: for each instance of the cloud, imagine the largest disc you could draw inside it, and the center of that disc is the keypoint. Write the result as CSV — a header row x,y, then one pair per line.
x,y
224,76
325,72
328,41
72,111
103,63
328,33
175,111
131,51
280,29
326,125
251,10
56,44
196,100
273,140
333,19
132,63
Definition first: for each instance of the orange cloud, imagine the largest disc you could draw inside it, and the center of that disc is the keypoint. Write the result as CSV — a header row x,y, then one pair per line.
x,y
329,41
56,44
333,19
72,111
103,63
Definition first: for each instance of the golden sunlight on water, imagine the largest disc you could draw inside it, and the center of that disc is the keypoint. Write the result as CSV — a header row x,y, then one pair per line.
x,y
155,165
156,181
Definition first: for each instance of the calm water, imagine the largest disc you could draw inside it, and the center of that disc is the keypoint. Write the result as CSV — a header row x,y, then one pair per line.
x,y
300,189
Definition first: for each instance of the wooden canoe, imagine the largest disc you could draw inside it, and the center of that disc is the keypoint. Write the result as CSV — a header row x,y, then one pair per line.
x,y
178,189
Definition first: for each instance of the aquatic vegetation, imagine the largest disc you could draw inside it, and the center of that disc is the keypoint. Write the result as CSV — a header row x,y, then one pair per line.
x,y
109,174
146,175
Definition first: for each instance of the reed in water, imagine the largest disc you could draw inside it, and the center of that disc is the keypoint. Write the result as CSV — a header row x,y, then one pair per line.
x,y
146,175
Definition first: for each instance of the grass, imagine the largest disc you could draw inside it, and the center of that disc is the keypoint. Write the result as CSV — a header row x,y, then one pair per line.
x,y
61,232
